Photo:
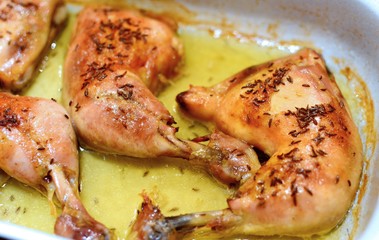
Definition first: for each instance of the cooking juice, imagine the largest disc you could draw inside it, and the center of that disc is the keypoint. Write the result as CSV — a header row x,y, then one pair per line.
x,y
110,186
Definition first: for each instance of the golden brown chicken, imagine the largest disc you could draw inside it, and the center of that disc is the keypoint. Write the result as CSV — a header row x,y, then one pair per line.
x,y
27,27
292,110
117,60
38,147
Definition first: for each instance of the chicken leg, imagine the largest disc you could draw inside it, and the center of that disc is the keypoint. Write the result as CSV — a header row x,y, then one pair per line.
x,y
117,61
292,110
27,27
38,147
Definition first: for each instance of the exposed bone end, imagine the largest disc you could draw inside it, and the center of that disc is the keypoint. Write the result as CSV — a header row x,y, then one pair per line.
x,y
227,159
74,224
150,223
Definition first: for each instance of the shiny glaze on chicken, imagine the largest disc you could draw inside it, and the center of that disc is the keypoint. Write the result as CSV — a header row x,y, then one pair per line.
x,y
38,147
292,110
27,27
116,61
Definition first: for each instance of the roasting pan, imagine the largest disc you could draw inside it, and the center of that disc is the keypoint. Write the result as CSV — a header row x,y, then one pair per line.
x,y
347,34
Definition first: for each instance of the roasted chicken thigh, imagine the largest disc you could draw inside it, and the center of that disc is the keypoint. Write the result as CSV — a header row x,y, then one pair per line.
x,y
292,110
27,27
116,61
38,147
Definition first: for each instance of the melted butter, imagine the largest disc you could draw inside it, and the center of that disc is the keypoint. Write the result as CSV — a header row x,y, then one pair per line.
x,y
111,185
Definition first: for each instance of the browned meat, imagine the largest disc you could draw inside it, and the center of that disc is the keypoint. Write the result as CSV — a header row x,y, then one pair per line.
x,y
116,61
27,27
38,147
292,110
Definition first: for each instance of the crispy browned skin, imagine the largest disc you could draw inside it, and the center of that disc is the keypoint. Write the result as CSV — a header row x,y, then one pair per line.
x,y
38,147
27,27
117,59
291,109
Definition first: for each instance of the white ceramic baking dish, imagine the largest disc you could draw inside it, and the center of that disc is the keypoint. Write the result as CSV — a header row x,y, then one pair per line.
x,y
347,30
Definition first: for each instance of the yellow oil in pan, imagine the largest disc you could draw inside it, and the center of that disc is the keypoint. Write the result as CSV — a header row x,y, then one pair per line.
x,y
111,185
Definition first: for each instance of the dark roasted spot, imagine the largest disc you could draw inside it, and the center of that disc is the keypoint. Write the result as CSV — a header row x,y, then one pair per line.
x,y
9,119
262,157
48,177
125,93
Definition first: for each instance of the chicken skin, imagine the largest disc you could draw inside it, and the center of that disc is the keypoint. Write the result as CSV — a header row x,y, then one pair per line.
x,y
229,160
38,147
116,61
27,27
292,110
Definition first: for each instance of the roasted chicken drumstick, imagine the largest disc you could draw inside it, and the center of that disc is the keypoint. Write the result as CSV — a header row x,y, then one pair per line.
x,y
38,147
117,61
27,27
292,110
